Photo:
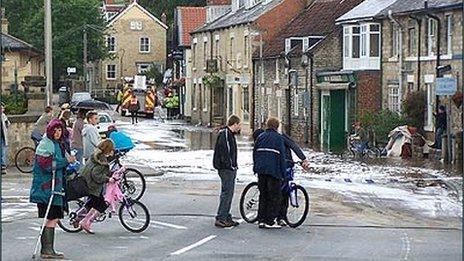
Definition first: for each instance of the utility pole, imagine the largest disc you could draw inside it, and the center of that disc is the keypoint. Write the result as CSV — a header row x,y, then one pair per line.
x,y
84,66
48,51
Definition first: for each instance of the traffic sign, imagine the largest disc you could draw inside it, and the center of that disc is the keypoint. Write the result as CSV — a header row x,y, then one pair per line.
x,y
71,70
446,86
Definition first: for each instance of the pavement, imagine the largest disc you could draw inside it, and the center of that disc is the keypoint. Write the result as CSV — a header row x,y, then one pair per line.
x,y
183,196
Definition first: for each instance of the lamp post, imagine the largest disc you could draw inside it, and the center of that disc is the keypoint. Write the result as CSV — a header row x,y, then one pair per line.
x,y
48,51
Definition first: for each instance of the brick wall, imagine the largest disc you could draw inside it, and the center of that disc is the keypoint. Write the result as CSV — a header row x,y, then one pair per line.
x,y
369,91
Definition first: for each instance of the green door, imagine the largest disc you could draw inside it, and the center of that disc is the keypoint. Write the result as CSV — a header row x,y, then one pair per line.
x,y
337,121
325,122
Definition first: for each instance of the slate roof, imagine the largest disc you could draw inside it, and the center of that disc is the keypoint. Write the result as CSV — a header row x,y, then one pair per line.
x,y
318,19
406,6
11,43
241,16
189,19
366,10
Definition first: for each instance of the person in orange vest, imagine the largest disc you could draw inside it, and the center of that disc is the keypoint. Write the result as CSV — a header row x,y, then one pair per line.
x,y
134,107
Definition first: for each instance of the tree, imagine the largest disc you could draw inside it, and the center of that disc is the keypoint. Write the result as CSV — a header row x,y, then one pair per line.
x,y
157,7
69,18
155,74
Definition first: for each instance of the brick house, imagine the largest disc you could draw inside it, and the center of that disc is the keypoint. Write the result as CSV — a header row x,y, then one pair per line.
x,y
286,76
227,43
409,54
137,40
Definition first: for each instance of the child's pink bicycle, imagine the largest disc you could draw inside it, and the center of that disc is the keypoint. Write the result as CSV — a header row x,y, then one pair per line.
x,y
133,215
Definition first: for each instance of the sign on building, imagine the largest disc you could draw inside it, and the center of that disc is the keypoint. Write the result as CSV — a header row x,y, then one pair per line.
x,y
446,86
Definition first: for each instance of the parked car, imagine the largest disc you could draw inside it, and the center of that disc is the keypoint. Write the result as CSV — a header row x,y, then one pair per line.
x,y
80,96
105,121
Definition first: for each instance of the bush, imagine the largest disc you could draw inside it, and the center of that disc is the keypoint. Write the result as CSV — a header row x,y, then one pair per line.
x,y
15,103
380,124
414,109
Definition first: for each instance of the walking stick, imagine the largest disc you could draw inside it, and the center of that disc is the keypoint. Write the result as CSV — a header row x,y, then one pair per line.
x,y
53,192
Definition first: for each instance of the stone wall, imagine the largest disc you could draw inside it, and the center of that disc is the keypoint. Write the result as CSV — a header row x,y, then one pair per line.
x,y
19,133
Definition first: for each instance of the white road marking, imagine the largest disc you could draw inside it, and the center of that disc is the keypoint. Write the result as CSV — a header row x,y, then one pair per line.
x,y
168,225
35,228
406,246
197,244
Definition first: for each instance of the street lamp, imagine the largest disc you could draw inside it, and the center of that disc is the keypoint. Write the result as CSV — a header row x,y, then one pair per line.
x,y
48,50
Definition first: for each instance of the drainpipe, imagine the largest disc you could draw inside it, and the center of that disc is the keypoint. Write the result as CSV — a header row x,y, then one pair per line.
x,y
400,56
289,97
211,100
419,33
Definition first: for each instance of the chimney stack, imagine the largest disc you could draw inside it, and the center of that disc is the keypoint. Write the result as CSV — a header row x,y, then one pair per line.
x,y
164,18
4,21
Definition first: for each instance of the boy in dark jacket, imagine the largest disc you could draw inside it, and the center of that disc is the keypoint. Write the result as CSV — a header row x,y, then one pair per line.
x,y
269,163
225,161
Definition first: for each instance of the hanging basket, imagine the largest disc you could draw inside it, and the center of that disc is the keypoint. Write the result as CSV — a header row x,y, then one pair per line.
x,y
457,99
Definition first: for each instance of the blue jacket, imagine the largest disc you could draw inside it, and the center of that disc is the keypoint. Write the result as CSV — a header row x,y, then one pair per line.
x,y
269,155
48,151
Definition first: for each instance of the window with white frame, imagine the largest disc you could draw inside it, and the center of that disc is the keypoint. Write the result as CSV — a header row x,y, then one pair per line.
x,y
111,44
449,33
374,40
194,55
295,103
245,103
395,41
346,42
430,106
355,40
111,71
205,98
394,98
432,36
205,51
136,25
411,40
144,45
363,40
246,45
277,71
194,97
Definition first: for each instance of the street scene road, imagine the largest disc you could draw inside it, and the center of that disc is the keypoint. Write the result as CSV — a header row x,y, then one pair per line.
x,y
390,218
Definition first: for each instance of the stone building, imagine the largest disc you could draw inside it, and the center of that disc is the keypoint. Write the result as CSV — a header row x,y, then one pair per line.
x,y
137,41
412,39
21,62
221,62
286,74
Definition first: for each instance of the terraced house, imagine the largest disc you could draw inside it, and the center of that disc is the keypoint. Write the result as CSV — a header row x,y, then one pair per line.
x,y
221,60
286,74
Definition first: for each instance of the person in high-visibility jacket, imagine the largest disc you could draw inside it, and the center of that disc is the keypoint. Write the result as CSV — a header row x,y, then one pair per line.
x,y
119,96
168,103
175,105
134,107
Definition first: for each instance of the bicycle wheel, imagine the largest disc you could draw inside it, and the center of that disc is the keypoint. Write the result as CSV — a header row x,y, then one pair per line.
x,y
24,159
249,202
371,153
297,211
133,184
134,216
70,216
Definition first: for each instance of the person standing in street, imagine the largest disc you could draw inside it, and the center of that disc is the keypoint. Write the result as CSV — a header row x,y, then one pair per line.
x,y
77,143
441,124
4,138
134,107
269,163
225,161
41,124
119,96
51,159
90,136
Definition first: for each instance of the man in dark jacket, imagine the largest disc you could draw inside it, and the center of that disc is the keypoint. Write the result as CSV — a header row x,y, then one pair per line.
x,y
440,123
269,163
225,161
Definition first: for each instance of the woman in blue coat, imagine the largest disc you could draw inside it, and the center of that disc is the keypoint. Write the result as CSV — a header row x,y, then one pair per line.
x,y
50,153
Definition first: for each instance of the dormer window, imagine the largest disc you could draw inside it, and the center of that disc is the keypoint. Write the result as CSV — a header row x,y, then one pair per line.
x,y
361,46
304,43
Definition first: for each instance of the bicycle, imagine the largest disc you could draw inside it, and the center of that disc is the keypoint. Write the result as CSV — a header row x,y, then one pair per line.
x,y
133,215
24,158
133,181
356,149
298,207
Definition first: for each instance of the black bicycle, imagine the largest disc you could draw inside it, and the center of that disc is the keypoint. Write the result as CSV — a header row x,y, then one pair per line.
x,y
298,207
25,157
